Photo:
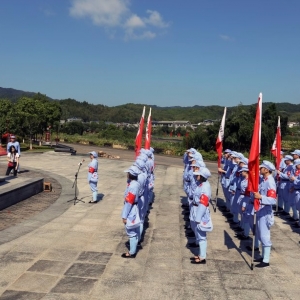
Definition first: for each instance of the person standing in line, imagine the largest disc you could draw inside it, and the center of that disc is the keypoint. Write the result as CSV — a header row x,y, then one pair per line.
x,y
142,180
282,165
130,213
13,160
285,183
201,200
295,192
265,219
16,144
93,176
225,161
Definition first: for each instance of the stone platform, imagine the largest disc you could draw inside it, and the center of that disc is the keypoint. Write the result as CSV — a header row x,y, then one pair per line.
x,y
73,251
15,189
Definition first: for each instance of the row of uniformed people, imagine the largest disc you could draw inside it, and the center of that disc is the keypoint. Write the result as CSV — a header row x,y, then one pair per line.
x,y
288,177
138,197
198,191
266,195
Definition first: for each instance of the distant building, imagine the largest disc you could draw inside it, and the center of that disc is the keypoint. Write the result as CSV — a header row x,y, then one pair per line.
x,y
208,122
74,120
292,124
174,124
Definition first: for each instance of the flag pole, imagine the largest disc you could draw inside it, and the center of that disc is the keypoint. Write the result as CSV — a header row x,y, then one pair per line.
x,y
278,149
253,240
253,166
219,149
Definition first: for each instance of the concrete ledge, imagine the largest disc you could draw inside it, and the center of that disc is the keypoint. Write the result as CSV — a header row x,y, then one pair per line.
x,y
13,194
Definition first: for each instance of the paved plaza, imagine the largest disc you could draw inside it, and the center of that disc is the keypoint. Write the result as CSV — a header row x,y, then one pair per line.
x,y
69,251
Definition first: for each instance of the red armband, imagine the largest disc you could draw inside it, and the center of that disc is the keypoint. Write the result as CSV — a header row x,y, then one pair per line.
x,y
130,198
91,170
271,193
204,200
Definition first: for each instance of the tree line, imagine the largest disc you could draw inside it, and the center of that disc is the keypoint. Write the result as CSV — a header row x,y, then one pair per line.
x,y
238,130
30,116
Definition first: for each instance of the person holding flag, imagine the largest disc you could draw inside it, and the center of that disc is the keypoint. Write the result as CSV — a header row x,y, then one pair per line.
x,y
266,197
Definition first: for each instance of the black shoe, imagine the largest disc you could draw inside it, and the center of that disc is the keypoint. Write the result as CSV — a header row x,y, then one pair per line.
x,y
262,265
93,201
127,255
193,258
249,248
284,213
193,245
258,260
199,262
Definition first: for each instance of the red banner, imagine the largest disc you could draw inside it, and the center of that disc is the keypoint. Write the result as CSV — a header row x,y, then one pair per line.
x,y
139,135
148,131
253,163
219,142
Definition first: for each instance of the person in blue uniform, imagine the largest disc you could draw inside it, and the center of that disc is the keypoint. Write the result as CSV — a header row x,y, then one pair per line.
x,y
295,188
225,161
293,192
265,219
296,154
143,181
201,211
284,185
235,189
245,206
93,176
282,165
130,212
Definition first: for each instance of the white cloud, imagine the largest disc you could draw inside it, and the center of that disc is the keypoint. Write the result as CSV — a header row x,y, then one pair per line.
x,y
102,12
116,16
145,35
134,21
226,38
155,19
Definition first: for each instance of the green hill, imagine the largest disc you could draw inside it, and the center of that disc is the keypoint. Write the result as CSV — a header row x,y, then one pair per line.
x,y
132,112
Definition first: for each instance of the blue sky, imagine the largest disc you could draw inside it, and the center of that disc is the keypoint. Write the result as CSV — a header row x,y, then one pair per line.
x,y
154,52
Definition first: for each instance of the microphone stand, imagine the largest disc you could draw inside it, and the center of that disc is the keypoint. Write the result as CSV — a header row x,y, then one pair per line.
x,y
75,199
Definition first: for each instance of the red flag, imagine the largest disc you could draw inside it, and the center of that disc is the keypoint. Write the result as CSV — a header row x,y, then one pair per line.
x,y
148,131
276,147
253,163
219,142
139,135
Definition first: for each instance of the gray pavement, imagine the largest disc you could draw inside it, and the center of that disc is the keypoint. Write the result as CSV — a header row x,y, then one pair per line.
x,y
73,251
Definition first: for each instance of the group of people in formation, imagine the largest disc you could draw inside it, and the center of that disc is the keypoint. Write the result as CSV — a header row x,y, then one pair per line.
x,y
198,191
283,184
138,198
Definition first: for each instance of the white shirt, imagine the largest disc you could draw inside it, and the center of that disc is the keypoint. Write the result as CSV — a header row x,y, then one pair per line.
x,y
12,157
